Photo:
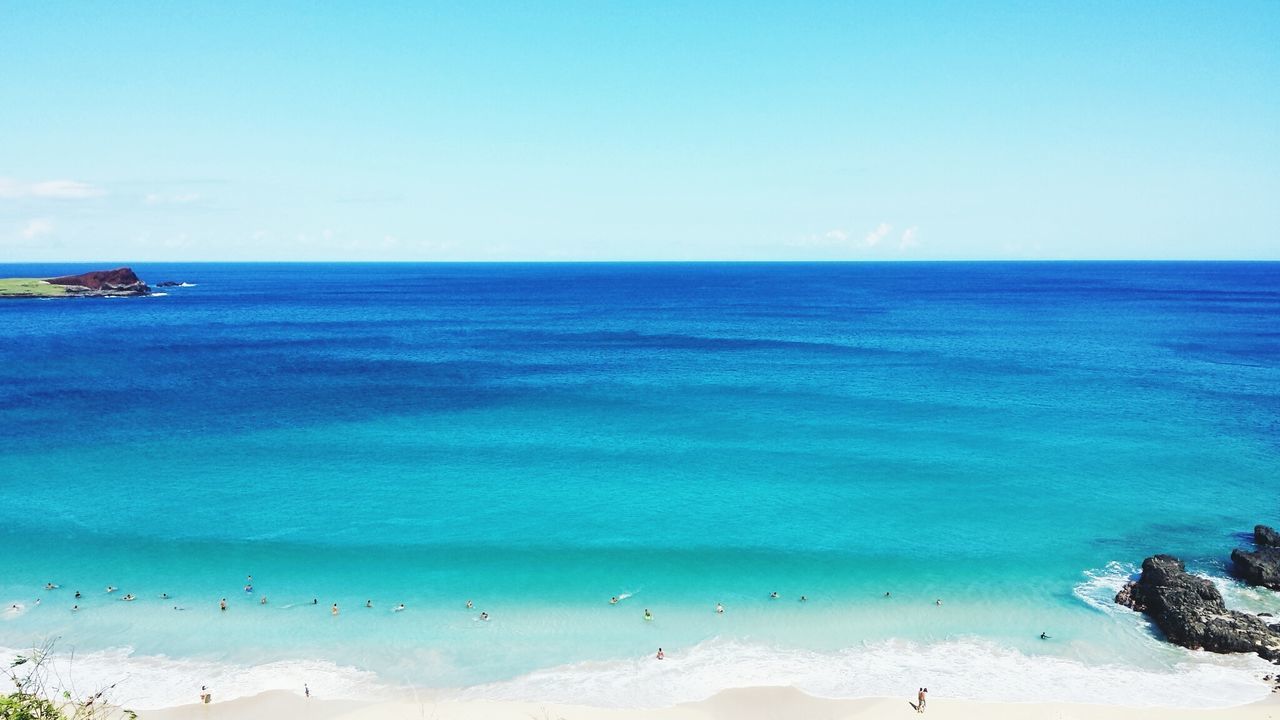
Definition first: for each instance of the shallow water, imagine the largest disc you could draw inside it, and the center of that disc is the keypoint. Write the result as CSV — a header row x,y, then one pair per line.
x,y
538,438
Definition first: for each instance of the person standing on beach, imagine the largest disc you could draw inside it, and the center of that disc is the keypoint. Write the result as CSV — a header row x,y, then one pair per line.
x,y
924,697
306,690
222,604
334,610
660,654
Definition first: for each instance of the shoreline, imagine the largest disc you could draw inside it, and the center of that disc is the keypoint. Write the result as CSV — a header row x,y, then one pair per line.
x,y
739,704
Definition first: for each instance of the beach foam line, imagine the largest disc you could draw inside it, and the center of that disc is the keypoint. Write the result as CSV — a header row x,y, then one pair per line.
x,y
149,682
961,669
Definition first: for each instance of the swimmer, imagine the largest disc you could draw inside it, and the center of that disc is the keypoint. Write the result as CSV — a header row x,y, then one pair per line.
x,y
1044,636
470,605
164,596
938,602
314,601
399,607
263,601
129,598
334,610
368,603
112,588
175,607
77,594
719,609
660,654
613,600
222,604
484,616
804,598
248,588
886,594
647,616
37,601
75,608
50,586
773,595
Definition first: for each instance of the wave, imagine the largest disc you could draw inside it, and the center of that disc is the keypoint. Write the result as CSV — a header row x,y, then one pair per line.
x,y
962,669
149,682
1099,588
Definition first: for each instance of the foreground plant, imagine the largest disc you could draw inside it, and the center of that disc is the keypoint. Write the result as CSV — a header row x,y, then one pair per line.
x,y
37,697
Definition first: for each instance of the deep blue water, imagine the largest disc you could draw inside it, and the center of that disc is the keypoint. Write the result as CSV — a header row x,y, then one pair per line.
x,y
541,437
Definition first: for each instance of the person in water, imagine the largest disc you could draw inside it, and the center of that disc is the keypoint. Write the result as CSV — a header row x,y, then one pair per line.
x,y
50,586
334,610
484,616
938,602
77,594
773,595
368,603
111,588
647,616
263,601
222,604
804,598
400,607
886,593
470,605
719,609
613,600
315,601
75,608
1044,636
660,654
164,596
129,598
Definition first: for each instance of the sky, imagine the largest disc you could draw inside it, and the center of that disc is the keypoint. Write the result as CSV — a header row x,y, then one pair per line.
x,y
230,131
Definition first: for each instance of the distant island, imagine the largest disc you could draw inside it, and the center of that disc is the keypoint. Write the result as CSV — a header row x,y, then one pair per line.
x,y
121,282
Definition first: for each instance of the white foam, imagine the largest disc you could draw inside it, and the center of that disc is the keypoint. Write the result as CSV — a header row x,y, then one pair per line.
x,y
1099,588
962,669
147,682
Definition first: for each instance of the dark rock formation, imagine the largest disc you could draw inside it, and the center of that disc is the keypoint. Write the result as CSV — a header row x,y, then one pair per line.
x,y
121,281
1190,612
169,283
1261,567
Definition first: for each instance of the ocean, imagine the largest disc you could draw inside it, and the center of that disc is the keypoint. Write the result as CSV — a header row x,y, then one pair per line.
x,y
997,446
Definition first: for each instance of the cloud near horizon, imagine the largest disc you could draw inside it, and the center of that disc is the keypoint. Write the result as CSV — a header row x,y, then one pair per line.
x,y
49,189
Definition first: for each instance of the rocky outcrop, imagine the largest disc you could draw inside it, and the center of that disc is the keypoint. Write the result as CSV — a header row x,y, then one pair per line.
x,y
121,281
1261,567
1190,612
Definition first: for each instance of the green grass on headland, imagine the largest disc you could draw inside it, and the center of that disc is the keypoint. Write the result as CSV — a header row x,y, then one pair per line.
x,y
30,287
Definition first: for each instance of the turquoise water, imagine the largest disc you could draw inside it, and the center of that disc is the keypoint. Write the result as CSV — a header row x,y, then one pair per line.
x,y
539,438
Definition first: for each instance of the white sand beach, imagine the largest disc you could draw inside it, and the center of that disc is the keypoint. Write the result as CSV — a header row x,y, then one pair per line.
x,y
760,703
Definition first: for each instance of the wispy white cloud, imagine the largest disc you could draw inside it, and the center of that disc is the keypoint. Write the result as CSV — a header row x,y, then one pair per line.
x,y
909,239
49,189
36,227
874,237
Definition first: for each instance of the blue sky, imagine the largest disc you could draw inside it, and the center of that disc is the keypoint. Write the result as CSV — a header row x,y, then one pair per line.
x,y
644,130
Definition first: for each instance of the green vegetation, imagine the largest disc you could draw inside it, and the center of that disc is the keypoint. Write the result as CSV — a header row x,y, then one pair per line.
x,y
36,697
30,287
